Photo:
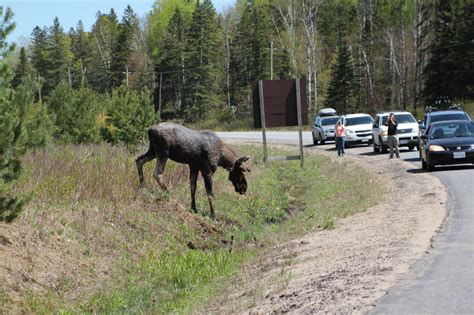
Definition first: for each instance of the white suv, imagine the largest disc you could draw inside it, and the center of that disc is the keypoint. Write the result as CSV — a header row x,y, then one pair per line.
x,y
407,131
358,128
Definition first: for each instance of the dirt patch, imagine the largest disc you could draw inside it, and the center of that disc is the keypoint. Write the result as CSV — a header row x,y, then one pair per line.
x,y
345,270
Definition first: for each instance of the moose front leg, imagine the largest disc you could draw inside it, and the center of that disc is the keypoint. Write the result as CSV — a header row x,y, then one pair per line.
x,y
141,160
210,194
193,175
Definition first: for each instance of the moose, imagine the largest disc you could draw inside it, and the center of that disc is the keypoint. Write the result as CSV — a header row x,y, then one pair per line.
x,y
203,151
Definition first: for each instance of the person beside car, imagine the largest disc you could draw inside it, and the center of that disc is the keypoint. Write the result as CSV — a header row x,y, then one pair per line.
x,y
392,132
340,132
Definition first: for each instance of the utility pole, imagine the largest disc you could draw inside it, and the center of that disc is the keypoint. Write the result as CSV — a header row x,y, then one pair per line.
x,y
271,60
39,88
126,74
69,76
159,93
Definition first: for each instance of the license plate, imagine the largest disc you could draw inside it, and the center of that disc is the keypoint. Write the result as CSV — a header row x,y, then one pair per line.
x,y
365,140
459,155
403,141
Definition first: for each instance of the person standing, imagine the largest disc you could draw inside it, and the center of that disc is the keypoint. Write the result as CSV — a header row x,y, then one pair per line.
x,y
340,138
392,135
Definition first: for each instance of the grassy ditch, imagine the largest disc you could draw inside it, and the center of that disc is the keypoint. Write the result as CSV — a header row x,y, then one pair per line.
x,y
106,245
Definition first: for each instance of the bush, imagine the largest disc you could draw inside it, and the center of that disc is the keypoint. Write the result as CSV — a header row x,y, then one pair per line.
x,y
75,114
128,114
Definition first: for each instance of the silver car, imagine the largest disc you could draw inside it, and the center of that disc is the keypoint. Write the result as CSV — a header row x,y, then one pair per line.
x,y
323,129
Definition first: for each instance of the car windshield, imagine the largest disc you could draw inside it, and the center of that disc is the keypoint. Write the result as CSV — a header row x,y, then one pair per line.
x,y
358,121
329,121
451,116
401,119
452,129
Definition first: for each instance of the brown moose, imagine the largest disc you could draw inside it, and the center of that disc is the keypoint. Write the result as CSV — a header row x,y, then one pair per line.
x,y
203,151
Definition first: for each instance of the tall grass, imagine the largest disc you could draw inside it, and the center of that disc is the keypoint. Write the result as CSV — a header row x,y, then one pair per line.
x,y
157,255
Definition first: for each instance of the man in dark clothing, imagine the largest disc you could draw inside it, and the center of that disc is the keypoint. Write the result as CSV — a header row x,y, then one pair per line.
x,y
392,138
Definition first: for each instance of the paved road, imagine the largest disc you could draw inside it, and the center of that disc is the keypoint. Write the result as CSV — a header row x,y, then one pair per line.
x,y
443,281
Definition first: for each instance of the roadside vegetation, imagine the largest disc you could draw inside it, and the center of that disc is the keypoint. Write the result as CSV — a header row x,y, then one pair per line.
x,y
107,245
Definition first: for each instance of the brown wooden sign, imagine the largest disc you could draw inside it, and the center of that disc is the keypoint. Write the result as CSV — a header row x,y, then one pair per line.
x,y
279,98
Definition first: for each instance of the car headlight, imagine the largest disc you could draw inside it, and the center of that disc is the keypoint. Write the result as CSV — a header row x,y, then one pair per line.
x,y
349,131
436,148
384,133
472,146
325,130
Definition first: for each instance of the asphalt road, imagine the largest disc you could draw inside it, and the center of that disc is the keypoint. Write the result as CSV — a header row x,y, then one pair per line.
x,y
442,282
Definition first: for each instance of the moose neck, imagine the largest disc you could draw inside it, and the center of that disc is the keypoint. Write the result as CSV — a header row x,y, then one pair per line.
x,y
227,158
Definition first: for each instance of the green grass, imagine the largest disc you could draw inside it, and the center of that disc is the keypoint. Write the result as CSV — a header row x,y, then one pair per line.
x,y
88,198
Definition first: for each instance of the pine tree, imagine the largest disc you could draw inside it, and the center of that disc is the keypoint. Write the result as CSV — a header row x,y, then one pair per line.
x,y
104,36
60,57
81,47
22,123
172,63
342,87
449,70
122,48
23,69
202,61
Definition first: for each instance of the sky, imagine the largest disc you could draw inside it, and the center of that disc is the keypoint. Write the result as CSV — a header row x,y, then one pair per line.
x,y
31,13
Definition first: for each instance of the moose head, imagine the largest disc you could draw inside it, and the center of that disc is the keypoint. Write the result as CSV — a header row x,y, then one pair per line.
x,y
237,176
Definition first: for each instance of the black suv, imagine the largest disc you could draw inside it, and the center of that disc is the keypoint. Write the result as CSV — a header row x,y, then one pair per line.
x,y
433,115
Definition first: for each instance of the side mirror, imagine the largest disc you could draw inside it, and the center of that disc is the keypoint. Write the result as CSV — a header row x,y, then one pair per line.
x,y
376,126
424,137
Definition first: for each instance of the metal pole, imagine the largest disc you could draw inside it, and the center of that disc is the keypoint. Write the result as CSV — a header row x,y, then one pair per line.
x,y
262,119
271,60
159,93
126,73
300,122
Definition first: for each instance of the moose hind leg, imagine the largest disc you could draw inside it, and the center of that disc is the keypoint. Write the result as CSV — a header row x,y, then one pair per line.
x,y
159,169
193,175
210,193
141,160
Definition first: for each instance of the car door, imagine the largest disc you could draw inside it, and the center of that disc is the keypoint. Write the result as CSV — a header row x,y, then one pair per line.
x,y
376,130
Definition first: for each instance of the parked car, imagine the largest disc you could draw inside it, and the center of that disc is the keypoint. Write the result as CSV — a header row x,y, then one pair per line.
x,y
323,127
433,115
407,131
358,129
447,142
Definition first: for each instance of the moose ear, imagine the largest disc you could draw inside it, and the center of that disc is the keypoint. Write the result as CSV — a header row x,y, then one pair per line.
x,y
240,163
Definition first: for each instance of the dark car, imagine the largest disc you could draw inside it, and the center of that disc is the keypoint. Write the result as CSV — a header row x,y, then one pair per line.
x,y
446,143
434,115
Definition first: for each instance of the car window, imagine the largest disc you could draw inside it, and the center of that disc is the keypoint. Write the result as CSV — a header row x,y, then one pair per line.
x,y
358,120
330,121
451,116
452,129
401,119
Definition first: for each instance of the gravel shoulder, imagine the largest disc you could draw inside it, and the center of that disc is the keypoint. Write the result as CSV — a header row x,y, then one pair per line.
x,y
348,268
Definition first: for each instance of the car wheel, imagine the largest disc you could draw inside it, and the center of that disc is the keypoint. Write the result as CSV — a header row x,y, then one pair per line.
x,y
315,142
376,148
411,147
429,167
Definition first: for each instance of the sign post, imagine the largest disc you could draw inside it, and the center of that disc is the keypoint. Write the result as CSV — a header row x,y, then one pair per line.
x,y
300,123
262,118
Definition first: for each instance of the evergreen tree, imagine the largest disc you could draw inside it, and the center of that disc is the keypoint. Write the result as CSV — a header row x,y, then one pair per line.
x,y
40,53
81,47
449,70
104,36
172,63
202,61
122,48
23,69
342,87
22,122
60,57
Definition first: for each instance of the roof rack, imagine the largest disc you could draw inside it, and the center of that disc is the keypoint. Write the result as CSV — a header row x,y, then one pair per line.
x,y
442,103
